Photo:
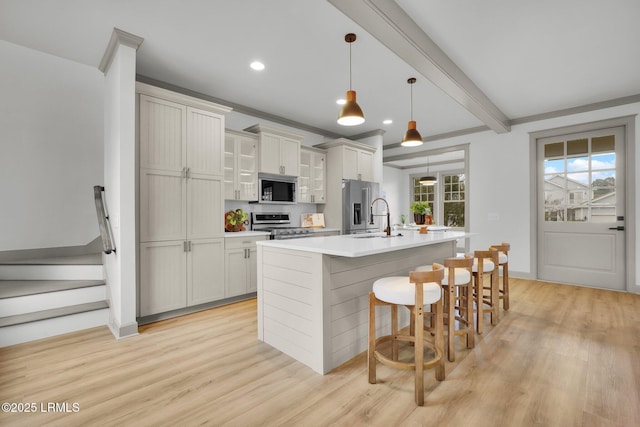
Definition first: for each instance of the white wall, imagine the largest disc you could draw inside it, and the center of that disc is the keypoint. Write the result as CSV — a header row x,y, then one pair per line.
x,y
395,189
499,183
51,131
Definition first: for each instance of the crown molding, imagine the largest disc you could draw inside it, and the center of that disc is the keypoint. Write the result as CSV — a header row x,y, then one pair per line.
x,y
118,37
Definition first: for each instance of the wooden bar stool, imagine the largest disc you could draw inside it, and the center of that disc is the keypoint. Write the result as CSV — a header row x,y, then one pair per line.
x,y
486,262
457,298
414,292
503,261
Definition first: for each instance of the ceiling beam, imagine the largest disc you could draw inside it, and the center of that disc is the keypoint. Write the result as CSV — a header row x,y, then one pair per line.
x,y
393,27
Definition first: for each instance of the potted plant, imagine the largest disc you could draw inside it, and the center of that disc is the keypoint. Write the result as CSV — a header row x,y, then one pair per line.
x,y
235,220
421,212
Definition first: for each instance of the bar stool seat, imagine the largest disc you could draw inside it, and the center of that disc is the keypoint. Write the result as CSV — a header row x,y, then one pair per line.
x,y
413,292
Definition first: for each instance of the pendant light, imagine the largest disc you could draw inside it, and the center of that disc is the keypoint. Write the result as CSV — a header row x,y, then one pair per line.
x,y
429,179
351,113
412,137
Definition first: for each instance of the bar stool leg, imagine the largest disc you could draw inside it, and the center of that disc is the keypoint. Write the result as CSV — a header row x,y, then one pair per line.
x,y
418,312
450,303
394,331
505,286
495,296
469,308
371,358
439,341
478,293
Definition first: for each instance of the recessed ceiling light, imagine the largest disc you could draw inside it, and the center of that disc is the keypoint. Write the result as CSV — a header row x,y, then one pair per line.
x,y
257,65
341,101
387,121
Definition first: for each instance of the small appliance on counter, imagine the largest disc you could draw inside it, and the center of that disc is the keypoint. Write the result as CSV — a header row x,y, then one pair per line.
x,y
279,224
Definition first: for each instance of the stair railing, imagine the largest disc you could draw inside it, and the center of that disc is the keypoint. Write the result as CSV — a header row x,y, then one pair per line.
x,y
103,220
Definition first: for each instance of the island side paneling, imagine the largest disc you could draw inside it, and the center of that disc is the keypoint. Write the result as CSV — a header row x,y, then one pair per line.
x,y
314,307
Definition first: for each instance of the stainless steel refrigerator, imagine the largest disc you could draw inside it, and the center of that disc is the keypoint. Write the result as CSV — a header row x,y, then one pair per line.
x,y
356,202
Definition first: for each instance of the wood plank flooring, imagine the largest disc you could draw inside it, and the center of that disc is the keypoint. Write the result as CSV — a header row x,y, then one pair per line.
x,y
561,356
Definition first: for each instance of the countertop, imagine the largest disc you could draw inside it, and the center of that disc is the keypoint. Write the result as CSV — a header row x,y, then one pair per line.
x,y
246,233
357,245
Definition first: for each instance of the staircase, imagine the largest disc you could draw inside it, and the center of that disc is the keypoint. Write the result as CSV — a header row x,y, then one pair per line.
x,y
40,298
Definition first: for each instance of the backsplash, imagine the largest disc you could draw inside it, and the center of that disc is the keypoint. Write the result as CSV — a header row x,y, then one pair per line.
x,y
295,210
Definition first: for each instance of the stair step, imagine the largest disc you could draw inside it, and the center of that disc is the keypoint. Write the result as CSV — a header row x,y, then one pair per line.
x,y
34,330
17,288
51,272
86,259
52,313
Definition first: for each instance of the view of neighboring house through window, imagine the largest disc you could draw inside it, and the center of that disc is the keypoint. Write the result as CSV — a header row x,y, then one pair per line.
x,y
580,180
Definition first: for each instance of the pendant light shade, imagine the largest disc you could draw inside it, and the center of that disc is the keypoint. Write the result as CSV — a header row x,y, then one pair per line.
x,y
351,114
429,179
412,137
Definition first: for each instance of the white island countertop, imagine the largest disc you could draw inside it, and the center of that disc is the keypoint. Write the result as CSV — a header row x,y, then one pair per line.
x,y
357,245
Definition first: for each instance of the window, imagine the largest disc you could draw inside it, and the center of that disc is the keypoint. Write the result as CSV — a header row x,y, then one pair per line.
x,y
447,198
453,201
424,193
580,180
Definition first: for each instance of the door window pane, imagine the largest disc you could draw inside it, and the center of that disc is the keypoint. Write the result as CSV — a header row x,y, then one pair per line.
x,y
580,186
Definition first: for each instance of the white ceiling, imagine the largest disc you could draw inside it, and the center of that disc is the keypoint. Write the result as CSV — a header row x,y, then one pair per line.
x,y
528,58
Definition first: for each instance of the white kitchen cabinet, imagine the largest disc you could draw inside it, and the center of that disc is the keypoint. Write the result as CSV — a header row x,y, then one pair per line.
x,y
357,164
312,179
240,257
279,150
240,166
181,201
178,274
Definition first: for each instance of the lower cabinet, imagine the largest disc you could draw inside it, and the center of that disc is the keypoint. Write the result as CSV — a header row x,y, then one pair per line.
x,y
179,274
241,262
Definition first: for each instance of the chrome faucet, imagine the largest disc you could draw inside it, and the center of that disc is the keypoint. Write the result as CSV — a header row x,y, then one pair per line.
x,y
388,229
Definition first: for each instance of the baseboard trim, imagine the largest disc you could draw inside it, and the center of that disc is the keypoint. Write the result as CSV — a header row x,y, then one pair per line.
x,y
189,310
123,331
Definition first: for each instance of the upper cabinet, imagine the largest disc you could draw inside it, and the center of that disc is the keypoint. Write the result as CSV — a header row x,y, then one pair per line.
x,y
312,179
240,166
279,150
353,159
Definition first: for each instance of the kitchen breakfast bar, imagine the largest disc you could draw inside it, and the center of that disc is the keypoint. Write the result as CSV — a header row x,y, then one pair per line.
x,y
313,292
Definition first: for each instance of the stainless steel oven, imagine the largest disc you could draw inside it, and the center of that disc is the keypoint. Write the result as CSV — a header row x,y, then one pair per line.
x,y
279,224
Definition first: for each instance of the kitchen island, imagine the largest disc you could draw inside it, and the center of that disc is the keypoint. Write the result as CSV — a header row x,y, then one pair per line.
x,y
313,292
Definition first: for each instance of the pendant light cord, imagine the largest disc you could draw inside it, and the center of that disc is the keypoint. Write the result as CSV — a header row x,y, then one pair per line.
x,y
411,86
350,65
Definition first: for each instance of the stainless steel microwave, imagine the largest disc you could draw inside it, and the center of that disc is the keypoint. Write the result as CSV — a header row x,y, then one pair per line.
x,y
276,189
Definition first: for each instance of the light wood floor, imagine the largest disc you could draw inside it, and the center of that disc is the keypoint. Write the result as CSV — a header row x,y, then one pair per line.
x,y
561,356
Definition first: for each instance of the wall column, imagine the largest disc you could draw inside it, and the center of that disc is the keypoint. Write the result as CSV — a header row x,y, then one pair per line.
x,y
119,67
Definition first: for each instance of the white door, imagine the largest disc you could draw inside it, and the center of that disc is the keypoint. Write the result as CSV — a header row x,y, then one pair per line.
x,y
205,271
581,208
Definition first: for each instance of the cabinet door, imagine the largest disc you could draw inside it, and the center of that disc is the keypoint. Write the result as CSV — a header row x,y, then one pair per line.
x,y
205,271
205,216
230,167
318,177
162,205
205,133
163,275
252,270
365,165
290,156
270,153
236,272
162,134
349,163
304,179
247,168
